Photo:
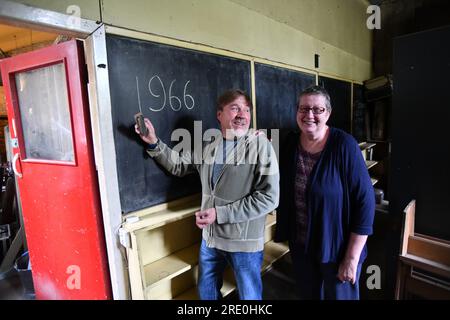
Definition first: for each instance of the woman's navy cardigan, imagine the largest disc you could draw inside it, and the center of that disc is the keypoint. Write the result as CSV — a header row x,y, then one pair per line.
x,y
339,193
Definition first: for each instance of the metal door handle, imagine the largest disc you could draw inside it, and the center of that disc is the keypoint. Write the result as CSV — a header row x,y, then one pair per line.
x,y
16,156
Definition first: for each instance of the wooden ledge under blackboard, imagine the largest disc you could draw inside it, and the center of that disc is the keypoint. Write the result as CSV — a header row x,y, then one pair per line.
x,y
161,214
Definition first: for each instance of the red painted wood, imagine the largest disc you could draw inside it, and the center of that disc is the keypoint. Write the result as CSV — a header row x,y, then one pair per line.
x,y
60,200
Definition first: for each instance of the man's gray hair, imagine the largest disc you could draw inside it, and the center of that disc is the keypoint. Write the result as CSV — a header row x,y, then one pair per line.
x,y
317,90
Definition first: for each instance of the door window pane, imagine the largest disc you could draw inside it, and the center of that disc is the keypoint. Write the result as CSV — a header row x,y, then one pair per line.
x,y
45,115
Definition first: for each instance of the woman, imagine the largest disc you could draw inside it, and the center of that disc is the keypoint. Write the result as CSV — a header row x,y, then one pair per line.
x,y
327,203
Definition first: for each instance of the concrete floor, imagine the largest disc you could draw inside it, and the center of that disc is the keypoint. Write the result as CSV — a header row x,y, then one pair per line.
x,y
278,283
11,287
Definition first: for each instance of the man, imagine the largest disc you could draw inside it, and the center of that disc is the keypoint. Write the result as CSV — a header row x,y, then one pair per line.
x,y
240,186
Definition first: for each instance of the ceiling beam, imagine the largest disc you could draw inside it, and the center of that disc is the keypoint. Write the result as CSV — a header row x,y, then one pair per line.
x,y
45,20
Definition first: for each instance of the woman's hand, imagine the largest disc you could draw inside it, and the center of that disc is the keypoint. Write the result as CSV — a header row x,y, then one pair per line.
x,y
349,265
347,270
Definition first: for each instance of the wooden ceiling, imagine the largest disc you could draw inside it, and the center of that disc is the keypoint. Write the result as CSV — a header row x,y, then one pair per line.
x,y
13,38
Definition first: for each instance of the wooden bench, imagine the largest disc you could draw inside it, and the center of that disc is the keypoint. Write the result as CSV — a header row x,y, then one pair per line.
x,y
424,263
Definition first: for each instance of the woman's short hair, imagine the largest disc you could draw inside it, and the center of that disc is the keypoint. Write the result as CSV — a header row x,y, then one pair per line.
x,y
231,95
317,90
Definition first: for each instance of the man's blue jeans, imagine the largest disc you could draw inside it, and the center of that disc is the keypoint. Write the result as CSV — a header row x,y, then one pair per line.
x,y
246,267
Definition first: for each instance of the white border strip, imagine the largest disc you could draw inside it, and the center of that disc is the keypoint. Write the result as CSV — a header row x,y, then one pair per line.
x,y
105,157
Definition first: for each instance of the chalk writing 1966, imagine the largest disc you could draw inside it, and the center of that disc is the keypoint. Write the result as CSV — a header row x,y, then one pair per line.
x,y
157,89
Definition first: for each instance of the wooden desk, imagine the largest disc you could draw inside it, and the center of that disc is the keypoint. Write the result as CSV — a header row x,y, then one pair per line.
x,y
424,263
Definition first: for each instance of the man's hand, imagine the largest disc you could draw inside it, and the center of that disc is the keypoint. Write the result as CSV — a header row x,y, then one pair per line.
x,y
204,218
151,137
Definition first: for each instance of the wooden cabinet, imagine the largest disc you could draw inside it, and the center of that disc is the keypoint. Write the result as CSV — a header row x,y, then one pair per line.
x,y
372,124
367,152
162,246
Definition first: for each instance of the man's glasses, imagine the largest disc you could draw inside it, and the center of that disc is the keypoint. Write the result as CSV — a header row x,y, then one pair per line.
x,y
315,110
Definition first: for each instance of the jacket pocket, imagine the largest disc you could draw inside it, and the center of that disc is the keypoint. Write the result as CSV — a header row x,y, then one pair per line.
x,y
231,231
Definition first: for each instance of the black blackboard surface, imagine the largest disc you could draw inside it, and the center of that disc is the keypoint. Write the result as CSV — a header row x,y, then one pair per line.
x,y
277,91
359,113
173,87
340,94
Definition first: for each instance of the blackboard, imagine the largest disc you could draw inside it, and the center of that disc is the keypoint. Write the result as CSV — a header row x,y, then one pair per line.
x,y
340,94
277,91
173,87
359,113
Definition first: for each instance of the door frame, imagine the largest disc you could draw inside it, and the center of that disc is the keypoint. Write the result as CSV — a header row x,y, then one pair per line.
x,y
93,34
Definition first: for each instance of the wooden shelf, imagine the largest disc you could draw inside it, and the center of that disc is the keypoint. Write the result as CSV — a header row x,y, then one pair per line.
x,y
171,266
366,145
379,141
367,150
370,164
163,267
272,252
162,217
182,261
190,294
228,287
169,215
229,284
271,220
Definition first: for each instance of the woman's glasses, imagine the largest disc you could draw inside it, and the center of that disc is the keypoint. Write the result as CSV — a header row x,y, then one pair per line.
x,y
315,110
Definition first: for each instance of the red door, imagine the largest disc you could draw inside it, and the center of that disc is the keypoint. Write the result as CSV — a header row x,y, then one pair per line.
x,y
48,117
